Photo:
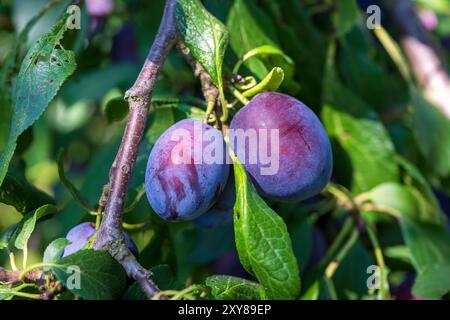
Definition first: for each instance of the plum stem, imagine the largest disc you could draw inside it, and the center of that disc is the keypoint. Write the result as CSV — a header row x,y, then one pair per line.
x,y
209,90
110,234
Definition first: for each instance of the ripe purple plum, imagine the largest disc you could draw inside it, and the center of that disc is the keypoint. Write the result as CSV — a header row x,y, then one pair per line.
x,y
80,235
186,170
222,211
304,155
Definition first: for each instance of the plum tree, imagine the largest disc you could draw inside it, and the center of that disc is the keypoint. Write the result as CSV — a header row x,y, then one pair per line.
x,y
181,181
304,150
80,235
222,211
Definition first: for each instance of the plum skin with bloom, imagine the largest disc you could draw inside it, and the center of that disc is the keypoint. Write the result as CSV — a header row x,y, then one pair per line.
x,y
181,191
80,235
222,212
305,155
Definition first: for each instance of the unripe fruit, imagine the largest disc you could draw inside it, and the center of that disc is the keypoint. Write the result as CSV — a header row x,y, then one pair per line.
x,y
222,211
181,183
304,151
80,235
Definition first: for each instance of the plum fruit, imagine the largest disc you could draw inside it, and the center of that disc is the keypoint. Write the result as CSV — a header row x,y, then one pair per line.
x,y
182,179
222,212
304,155
80,235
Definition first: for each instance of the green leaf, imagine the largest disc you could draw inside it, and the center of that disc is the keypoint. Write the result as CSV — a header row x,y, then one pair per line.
x,y
43,71
421,189
300,227
271,82
313,292
395,196
345,16
233,288
271,56
116,109
366,77
25,227
100,276
405,200
430,250
401,253
350,278
188,112
19,193
432,283
6,292
54,250
429,243
364,152
205,36
5,115
5,237
263,242
292,23
250,28
434,144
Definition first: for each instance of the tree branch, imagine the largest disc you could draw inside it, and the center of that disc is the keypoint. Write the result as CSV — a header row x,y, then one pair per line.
x,y
427,63
12,277
110,234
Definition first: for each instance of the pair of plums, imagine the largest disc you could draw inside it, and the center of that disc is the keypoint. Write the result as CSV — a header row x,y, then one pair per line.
x,y
279,140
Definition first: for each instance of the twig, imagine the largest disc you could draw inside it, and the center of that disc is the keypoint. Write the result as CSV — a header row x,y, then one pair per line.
x,y
384,284
209,90
427,63
333,266
12,277
110,234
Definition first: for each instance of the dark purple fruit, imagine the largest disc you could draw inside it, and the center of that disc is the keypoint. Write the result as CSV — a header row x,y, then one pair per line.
x,y
80,235
222,211
182,181
304,151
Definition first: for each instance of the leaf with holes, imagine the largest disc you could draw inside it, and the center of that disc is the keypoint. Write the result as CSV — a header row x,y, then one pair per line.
x,y
43,71
263,242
